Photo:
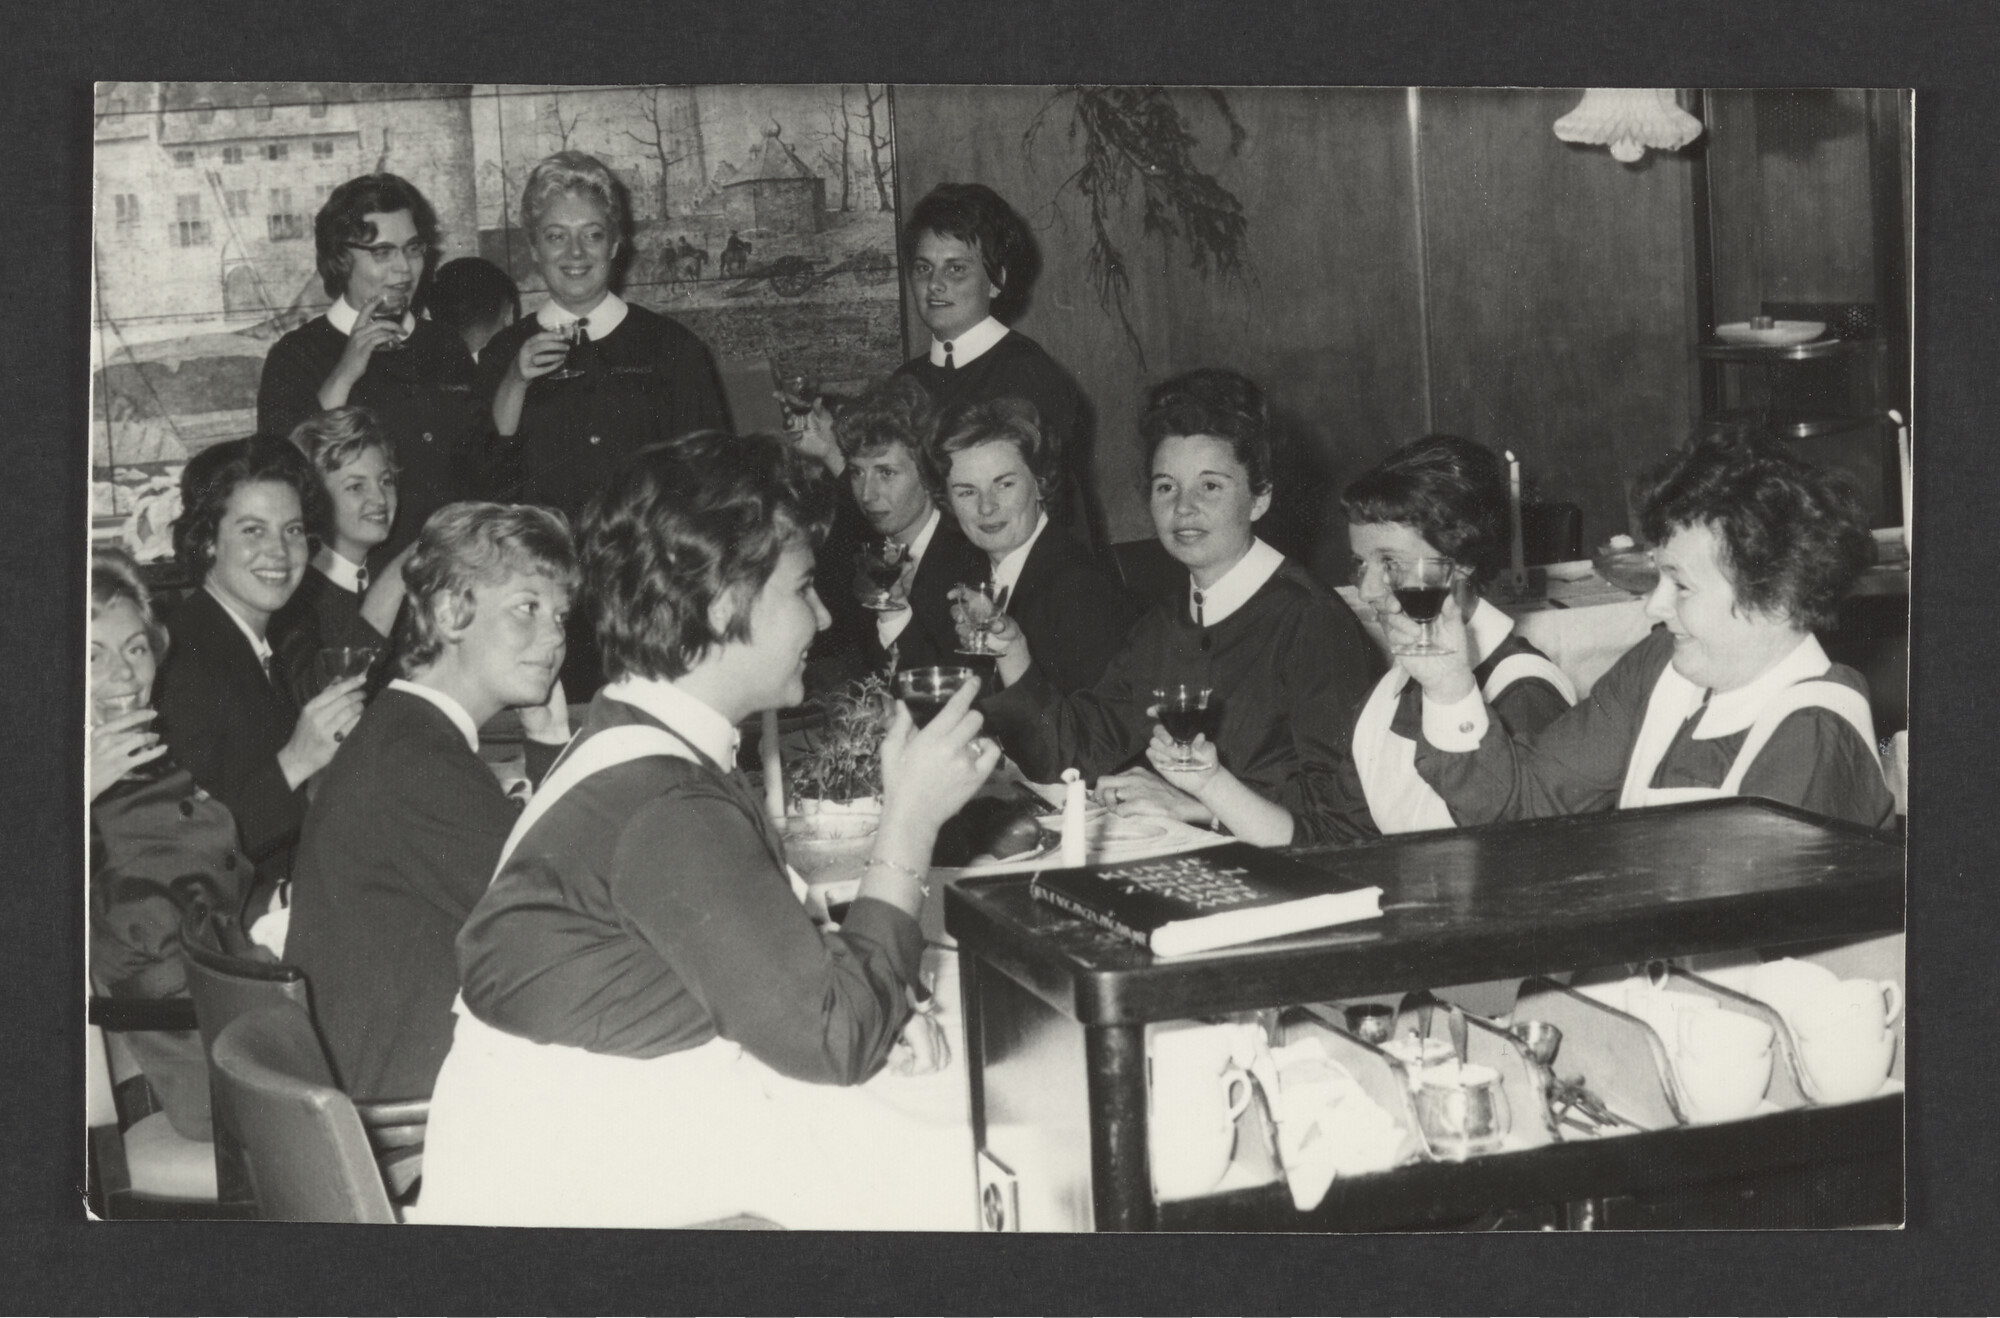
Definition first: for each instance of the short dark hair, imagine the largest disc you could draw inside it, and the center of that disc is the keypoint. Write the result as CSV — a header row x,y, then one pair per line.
x,y
1008,420
1792,537
473,291
469,544
893,411
1452,491
215,473
343,220
980,218
1215,402
683,523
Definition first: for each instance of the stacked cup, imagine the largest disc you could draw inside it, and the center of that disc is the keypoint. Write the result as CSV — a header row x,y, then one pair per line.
x,y
1200,1086
1845,1044
1723,1060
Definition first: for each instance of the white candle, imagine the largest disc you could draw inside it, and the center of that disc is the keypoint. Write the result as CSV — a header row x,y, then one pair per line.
x,y
774,769
1514,510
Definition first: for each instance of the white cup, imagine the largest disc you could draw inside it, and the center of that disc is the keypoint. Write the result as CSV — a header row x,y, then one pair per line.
x,y
1845,1045
1199,1089
1662,1009
1723,1060
1789,983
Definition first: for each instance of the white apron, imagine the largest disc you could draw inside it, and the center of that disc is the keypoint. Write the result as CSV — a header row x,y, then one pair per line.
x,y
1398,797
533,1134
1675,698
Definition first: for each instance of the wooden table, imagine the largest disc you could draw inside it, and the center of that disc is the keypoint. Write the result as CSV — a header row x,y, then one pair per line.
x,y
1056,1010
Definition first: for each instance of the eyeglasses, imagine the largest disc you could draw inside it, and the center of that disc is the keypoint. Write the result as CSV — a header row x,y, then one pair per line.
x,y
413,251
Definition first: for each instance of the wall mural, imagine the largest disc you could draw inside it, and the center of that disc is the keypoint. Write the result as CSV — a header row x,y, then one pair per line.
x,y
764,220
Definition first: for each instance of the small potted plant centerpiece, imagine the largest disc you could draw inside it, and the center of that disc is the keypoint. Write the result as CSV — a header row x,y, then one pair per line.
x,y
834,788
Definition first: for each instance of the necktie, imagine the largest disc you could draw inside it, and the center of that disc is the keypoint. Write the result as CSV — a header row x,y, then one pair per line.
x,y
947,358
1197,610
583,329
361,581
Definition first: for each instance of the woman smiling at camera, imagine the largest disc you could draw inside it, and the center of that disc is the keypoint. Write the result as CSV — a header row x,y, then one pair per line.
x,y
652,1031
999,472
1731,694
1282,655
226,710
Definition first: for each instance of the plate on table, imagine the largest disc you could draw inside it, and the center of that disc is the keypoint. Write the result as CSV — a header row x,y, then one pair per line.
x,y
1116,833
1091,814
1781,334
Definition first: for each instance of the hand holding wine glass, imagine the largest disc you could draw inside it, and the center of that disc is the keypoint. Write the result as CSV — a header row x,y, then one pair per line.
x,y
1421,586
978,610
121,741
570,335
1187,711
881,571
1190,766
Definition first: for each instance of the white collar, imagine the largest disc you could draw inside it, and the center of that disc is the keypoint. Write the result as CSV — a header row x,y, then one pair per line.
x,y
257,643
705,730
1488,629
1007,572
922,540
452,709
339,569
606,316
342,315
1237,585
971,345
1730,712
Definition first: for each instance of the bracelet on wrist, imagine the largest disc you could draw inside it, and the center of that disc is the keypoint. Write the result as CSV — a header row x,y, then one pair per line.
x,y
923,879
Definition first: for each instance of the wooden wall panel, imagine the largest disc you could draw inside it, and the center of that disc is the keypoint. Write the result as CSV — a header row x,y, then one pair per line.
x,y
1561,317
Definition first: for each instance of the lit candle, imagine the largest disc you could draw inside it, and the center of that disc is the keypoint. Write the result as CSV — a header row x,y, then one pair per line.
x,y
1514,510
774,769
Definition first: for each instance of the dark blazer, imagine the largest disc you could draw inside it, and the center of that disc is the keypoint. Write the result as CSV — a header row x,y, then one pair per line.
x,y
929,638
1074,613
226,722
402,837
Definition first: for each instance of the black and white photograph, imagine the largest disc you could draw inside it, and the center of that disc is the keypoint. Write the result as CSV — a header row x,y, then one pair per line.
x,y
999,658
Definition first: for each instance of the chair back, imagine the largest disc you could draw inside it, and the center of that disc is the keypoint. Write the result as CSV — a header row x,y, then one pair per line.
x,y
226,979
308,1156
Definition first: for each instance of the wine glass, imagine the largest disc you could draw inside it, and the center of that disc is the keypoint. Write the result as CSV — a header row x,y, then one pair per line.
x,y
572,335
111,707
796,394
881,563
1185,711
393,312
336,663
1420,586
926,690
984,604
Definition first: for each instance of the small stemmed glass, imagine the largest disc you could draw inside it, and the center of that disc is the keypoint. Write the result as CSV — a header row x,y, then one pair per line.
x,y
984,605
1420,586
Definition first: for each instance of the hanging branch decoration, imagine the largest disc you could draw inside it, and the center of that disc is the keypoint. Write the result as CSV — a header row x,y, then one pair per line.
x,y
1138,134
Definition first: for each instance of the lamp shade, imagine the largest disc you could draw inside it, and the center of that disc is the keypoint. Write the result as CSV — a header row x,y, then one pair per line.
x,y
1629,120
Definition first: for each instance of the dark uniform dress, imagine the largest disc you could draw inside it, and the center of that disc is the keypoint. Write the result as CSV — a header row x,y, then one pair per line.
x,y
1019,367
160,844
649,379
321,612
1074,614
1815,758
422,393
1288,666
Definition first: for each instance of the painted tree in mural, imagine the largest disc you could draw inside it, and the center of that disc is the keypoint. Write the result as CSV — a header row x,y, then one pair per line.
x,y
881,160
835,144
668,146
1139,134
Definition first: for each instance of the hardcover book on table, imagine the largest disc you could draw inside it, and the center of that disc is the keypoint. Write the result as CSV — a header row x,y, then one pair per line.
x,y
1201,900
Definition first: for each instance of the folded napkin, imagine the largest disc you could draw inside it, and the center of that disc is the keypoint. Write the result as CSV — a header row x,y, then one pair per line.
x,y
1328,1126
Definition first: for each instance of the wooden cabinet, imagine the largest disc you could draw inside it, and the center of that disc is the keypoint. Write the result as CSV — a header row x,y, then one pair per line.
x,y
1055,1016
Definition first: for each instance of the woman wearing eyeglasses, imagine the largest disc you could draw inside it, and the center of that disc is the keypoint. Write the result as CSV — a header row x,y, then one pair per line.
x,y
376,239
589,379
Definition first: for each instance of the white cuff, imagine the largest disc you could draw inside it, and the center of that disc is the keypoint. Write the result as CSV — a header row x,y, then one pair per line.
x,y
1459,726
888,626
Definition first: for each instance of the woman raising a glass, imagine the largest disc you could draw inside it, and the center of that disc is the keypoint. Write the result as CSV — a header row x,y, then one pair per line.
x,y
1283,660
997,471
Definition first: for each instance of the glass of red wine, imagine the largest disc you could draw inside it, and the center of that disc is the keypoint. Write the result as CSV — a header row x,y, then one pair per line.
x,y
1420,586
925,690
392,312
882,565
572,335
1185,712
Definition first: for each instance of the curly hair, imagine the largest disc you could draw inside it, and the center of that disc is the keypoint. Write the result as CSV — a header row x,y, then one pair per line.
x,y
979,217
1791,537
1215,402
1005,420
682,524
114,576
215,473
344,220
568,172
893,411
1451,491
474,544
332,439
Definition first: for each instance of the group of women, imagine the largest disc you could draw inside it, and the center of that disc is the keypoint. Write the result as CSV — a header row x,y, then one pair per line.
x,y
649,1027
